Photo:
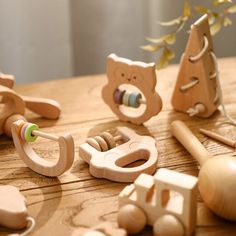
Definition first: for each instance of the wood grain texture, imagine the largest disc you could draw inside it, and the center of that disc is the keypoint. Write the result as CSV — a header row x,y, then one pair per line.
x,y
76,199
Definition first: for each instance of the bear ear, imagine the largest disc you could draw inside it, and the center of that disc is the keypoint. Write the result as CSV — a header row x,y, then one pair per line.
x,y
111,63
150,74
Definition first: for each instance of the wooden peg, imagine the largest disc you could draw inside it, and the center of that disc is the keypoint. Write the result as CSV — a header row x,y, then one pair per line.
x,y
167,201
217,174
110,164
218,137
195,91
36,163
122,71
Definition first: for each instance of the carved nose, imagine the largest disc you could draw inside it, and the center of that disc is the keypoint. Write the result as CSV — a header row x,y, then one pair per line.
x,y
129,79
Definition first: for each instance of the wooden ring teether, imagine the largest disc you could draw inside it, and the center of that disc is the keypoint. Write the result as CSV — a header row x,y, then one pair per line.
x,y
36,163
121,71
111,164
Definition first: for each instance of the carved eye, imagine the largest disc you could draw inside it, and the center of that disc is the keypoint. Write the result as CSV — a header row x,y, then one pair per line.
x,y
120,74
136,78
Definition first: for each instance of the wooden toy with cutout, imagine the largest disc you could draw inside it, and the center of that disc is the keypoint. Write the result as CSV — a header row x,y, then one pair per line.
x,y
167,201
108,159
130,91
14,124
196,91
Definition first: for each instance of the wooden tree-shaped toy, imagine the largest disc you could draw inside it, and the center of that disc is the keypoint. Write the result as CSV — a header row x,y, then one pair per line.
x,y
195,91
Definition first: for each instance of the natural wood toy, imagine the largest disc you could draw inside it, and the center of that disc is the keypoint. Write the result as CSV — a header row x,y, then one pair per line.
x,y
126,104
167,201
197,90
103,229
107,160
218,137
13,211
217,176
13,123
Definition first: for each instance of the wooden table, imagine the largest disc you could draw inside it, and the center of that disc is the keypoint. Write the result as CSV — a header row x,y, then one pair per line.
x,y
76,199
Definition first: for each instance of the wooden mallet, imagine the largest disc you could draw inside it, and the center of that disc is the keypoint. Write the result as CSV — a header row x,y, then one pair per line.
x,y
217,176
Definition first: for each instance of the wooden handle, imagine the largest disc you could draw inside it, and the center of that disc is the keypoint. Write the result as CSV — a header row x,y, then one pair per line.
x,y
47,108
189,141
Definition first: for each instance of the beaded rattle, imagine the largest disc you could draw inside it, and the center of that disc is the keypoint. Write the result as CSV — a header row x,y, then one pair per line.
x,y
13,124
142,76
107,160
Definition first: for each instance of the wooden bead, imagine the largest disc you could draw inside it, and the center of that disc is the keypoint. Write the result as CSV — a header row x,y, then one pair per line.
x,y
168,225
131,218
93,142
109,139
118,96
29,137
134,99
102,143
125,99
22,131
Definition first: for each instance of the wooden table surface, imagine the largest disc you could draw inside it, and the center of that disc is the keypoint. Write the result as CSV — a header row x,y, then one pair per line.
x,y
76,199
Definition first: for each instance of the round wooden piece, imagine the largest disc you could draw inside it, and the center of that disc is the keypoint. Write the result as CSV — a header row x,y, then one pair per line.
x,y
131,218
29,137
168,225
134,99
125,99
93,142
109,139
22,130
102,143
118,96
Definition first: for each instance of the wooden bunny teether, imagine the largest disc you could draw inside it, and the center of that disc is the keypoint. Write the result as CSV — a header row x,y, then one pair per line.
x,y
13,124
142,76
106,160
13,211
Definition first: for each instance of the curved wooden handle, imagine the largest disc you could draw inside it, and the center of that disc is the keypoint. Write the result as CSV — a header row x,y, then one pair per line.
x,y
189,141
47,108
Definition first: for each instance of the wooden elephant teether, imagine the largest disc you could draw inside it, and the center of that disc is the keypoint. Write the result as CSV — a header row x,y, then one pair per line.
x,y
127,105
13,124
108,160
13,211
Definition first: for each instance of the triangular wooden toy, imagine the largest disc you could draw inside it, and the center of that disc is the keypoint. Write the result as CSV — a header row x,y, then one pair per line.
x,y
195,91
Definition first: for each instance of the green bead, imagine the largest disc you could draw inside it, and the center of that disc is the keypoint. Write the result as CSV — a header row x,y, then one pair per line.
x,y
134,99
29,137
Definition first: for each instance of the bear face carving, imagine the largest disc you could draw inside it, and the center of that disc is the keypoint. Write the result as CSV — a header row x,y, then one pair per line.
x,y
122,71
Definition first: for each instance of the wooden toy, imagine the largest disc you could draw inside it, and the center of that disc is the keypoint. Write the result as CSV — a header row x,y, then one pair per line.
x,y
106,160
13,211
218,137
127,105
13,109
24,132
217,175
167,201
196,90
103,229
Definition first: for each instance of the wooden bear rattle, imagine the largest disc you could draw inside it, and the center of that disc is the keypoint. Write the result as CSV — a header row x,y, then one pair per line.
x,y
13,124
108,160
141,76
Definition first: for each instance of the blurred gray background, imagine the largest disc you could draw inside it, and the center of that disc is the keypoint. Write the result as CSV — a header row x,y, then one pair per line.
x,y
42,40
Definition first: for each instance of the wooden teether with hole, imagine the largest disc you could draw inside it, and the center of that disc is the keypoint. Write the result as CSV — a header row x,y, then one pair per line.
x,y
117,98
107,160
